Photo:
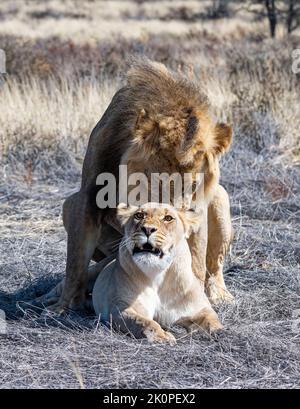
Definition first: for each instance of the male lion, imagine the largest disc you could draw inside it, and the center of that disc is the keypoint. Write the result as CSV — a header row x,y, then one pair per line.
x,y
158,122
150,284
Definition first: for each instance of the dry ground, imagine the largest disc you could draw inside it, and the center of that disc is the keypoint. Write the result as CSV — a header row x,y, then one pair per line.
x,y
64,63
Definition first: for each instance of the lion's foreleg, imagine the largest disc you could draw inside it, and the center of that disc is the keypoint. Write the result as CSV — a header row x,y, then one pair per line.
x,y
219,239
135,324
198,245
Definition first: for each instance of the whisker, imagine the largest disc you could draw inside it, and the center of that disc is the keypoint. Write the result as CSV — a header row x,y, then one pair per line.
x,y
115,241
124,243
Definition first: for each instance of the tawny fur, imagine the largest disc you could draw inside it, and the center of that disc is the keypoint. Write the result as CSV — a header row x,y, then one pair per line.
x,y
144,294
158,122
141,296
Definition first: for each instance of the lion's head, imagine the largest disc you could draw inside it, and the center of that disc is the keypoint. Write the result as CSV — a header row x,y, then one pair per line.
x,y
153,232
173,127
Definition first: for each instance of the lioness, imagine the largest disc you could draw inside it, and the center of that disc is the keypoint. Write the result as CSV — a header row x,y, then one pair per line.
x,y
150,284
158,122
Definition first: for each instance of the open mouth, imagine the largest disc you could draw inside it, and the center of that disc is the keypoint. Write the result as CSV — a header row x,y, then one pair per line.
x,y
148,248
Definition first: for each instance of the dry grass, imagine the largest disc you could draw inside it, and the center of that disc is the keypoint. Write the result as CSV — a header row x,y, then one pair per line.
x,y
259,347
52,115
55,91
97,20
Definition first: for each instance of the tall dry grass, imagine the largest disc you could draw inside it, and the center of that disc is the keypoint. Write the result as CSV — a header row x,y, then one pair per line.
x,y
46,114
56,106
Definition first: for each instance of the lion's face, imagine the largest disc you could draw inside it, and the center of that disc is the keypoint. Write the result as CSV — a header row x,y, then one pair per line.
x,y
153,232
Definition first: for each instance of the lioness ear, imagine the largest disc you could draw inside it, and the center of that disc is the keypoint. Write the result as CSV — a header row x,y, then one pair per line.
x,y
124,212
191,221
223,138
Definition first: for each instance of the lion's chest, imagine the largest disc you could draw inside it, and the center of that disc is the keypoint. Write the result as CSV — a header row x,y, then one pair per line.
x,y
166,311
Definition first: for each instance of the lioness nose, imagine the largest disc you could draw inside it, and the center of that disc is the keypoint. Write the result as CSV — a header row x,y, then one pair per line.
x,y
148,230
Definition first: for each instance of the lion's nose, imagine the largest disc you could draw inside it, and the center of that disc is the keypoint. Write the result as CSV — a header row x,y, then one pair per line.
x,y
148,230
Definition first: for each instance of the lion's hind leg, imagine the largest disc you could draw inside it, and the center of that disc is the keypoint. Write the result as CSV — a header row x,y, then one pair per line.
x,y
50,298
53,296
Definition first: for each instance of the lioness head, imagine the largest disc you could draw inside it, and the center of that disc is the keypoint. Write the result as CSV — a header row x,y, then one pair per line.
x,y
153,231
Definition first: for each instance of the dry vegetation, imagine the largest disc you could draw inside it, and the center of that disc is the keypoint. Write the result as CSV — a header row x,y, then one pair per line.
x,y
64,62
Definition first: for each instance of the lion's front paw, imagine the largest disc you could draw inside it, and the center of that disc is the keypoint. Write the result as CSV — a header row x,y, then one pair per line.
x,y
210,327
206,320
218,293
165,337
160,336
213,325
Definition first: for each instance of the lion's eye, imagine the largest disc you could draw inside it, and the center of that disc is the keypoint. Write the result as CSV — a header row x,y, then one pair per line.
x,y
168,218
139,215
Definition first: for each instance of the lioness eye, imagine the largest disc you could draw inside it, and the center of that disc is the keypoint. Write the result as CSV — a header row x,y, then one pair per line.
x,y
139,215
168,218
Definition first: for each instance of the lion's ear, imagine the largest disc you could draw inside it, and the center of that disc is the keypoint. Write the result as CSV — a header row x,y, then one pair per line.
x,y
191,221
146,131
140,118
124,212
223,138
